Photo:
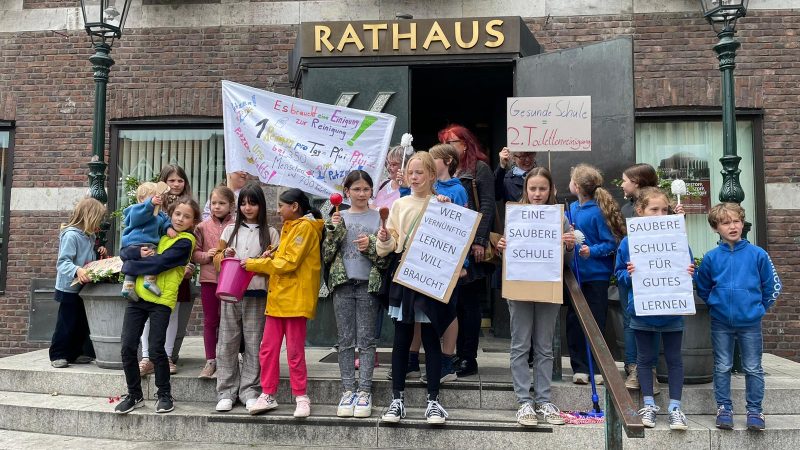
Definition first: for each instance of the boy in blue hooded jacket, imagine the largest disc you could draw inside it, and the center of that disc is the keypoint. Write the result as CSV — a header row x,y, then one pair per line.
x,y
738,282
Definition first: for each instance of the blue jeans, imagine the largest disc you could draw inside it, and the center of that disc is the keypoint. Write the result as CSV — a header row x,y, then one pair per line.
x,y
628,332
750,340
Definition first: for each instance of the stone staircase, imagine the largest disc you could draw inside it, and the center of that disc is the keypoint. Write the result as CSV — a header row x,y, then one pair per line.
x,y
74,402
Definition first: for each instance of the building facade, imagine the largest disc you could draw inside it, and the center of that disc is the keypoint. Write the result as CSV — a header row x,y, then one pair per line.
x,y
164,105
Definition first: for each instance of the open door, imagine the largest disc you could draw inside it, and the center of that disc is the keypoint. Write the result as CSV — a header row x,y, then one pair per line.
x,y
603,71
379,89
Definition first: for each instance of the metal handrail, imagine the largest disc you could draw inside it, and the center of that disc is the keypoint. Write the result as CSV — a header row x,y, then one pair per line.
x,y
620,408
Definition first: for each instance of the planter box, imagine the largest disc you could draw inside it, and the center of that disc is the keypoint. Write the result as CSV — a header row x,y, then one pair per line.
x,y
105,311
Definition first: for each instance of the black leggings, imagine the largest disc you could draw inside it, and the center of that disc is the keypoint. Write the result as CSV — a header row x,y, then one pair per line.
x,y
403,334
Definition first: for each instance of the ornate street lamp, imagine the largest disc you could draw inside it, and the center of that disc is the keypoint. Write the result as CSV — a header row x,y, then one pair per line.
x,y
722,15
104,21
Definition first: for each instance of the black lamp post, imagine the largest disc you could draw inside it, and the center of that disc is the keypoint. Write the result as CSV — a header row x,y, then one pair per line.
x,y
722,15
104,21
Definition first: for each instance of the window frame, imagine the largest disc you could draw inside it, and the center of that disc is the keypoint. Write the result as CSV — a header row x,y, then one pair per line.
x,y
8,170
160,123
756,116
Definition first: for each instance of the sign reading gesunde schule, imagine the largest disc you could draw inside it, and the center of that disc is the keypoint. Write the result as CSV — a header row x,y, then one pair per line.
x,y
411,37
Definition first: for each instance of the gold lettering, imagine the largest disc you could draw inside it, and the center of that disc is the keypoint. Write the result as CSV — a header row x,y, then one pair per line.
x,y
350,37
321,35
474,39
436,34
411,36
374,27
496,33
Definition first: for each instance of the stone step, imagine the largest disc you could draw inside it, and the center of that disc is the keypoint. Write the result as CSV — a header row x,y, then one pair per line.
x,y
490,389
466,428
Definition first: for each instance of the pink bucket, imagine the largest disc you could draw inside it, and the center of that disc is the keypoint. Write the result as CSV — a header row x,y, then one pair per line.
x,y
233,280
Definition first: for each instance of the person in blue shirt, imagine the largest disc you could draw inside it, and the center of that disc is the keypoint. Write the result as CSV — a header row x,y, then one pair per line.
x,y
652,201
142,228
596,215
739,283
76,241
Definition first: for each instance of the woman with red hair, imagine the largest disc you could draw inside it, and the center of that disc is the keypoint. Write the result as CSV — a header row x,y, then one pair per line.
x,y
478,180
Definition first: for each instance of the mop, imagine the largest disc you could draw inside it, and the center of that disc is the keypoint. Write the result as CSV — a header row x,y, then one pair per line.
x,y
595,415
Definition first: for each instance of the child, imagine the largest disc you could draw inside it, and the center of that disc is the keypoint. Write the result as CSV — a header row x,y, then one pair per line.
x,y
738,282
634,178
75,249
178,183
221,202
445,158
533,324
294,271
407,306
355,275
235,181
142,228
652,201
597,216
250,236
173,256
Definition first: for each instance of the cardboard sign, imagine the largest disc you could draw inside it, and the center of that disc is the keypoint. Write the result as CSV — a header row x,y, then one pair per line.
x,y
659,251
288,141
534,255
434,258
549,124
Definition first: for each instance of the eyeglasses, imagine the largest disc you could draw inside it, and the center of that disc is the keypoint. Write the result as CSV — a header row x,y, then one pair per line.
x,y
453,141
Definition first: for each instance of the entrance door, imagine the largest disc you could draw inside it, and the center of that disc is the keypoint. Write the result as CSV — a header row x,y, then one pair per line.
x,y
378,89
603,71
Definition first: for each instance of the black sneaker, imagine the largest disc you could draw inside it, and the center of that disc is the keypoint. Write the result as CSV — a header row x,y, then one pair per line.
x,y
468,367
164,403
128,404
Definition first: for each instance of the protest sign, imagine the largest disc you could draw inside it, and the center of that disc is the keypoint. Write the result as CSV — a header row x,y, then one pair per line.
x,y
439,245
549,124
659,251
533,261
292,142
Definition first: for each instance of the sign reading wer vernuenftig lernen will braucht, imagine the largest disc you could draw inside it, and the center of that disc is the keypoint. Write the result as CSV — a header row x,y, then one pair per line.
x,y
659,251
433,260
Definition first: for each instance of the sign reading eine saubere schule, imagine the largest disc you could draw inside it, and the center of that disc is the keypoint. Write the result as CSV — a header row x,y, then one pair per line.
x,y
416,37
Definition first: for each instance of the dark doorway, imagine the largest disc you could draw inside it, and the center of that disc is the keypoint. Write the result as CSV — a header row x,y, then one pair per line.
x,y
470,95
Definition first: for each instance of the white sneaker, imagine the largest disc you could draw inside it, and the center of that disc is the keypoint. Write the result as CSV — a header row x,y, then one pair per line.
x,y
224,405
435,413
363,406
346,404
598,379
395,412
526,416
580,378
677,420
550,413
263,403
648,414
249,403
303,408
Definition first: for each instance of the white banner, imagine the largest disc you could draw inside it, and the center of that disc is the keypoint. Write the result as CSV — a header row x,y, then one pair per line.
x,y
292,142
659,251
533,242
434,258
549,124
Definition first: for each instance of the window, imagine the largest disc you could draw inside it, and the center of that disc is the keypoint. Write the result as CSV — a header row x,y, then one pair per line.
x,y
141,151
690,150
6,147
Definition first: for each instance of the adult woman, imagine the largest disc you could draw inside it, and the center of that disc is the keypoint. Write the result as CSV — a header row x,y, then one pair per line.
x,y
477,178
509,179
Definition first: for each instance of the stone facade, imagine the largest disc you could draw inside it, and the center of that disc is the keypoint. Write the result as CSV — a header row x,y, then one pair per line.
x,y
47,91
